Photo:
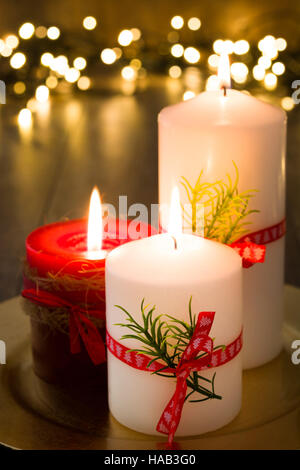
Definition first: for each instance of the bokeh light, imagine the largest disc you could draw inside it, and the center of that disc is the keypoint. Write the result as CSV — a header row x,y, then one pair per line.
x,y
72,75
239,72
12,41
241,47
177,50
175,71
19,88
287,103
84,83
41,32
125,37
128,73
89,22
194,23
26,31
17,60
25,118
108,56
270,81
53,33
51,82
212,83
136,34
42,93
47,59
79,63
278,68
177,22
191,55
258,72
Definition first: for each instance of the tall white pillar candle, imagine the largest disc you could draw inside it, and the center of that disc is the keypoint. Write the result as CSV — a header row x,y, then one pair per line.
x,y
152,269
208,133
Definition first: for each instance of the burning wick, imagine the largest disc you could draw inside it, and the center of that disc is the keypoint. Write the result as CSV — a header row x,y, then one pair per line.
x,y
175,218
224,73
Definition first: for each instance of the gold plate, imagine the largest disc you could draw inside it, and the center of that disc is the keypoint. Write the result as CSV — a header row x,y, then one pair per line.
x,y
35,415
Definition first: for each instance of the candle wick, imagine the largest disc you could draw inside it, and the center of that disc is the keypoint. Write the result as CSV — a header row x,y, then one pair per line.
x,y
175,242
225,90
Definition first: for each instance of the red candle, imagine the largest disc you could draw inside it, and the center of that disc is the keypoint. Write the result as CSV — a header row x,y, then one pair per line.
x,y
66,265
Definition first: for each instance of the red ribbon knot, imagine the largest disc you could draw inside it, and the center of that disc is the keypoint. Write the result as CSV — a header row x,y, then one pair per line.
x,y
80,325
200,341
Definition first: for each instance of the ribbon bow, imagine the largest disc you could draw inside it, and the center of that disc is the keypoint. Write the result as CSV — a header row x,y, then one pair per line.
x,y
200,341
79,323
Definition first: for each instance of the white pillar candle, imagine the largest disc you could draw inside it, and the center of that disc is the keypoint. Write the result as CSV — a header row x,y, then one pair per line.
x,y
152,269
208,133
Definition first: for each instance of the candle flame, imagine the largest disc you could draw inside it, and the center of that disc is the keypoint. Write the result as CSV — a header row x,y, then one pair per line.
x,y
95,226
175,216
224,71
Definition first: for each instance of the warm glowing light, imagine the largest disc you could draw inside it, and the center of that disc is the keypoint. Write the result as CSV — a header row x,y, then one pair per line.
x,y
72,75
224,71
177,50
42,93
191,55
264,62
79,63
47,59
258,72
281,44
228,46
218,46
17,60
26,30
125,37
175,215
213,61
41,32
6,51
32,105
108,56
84,83
194,24
2,45
53,33
128,73
89,22
278,68
268,46
270,81
177,22
175,71
136,34
118,51
187,95
136,64
12,41
241,47
60,65
287,103
19,88
51,82
25,118
95,227
239,72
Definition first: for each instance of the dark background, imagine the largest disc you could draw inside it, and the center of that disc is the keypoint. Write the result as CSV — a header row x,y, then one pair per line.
x,y
110,139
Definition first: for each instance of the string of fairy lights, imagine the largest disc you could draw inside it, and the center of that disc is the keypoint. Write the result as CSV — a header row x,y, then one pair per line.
x,y
40,61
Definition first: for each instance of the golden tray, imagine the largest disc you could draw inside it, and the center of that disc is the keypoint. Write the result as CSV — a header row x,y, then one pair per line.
x,y
35,415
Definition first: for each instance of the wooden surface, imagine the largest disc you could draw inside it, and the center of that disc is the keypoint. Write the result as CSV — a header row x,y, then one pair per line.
x,y
108,140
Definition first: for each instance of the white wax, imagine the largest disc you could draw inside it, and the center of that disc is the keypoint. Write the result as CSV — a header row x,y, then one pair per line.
x,y
152,269
208,133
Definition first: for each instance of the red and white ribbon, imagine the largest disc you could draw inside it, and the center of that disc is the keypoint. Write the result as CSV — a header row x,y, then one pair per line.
x,y
251,247
200,341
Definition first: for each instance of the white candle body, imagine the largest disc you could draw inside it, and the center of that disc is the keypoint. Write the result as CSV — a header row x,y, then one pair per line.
x,y
152,269
208,133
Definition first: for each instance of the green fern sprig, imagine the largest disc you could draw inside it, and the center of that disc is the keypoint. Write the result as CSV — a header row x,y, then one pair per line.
x,y
166,341
225,209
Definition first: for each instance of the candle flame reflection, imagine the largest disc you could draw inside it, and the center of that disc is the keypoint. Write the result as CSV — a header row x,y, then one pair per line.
x,y
175,216
224,71
95,225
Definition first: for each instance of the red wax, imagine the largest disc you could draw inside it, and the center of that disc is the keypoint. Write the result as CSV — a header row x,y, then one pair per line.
x,y
60,249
